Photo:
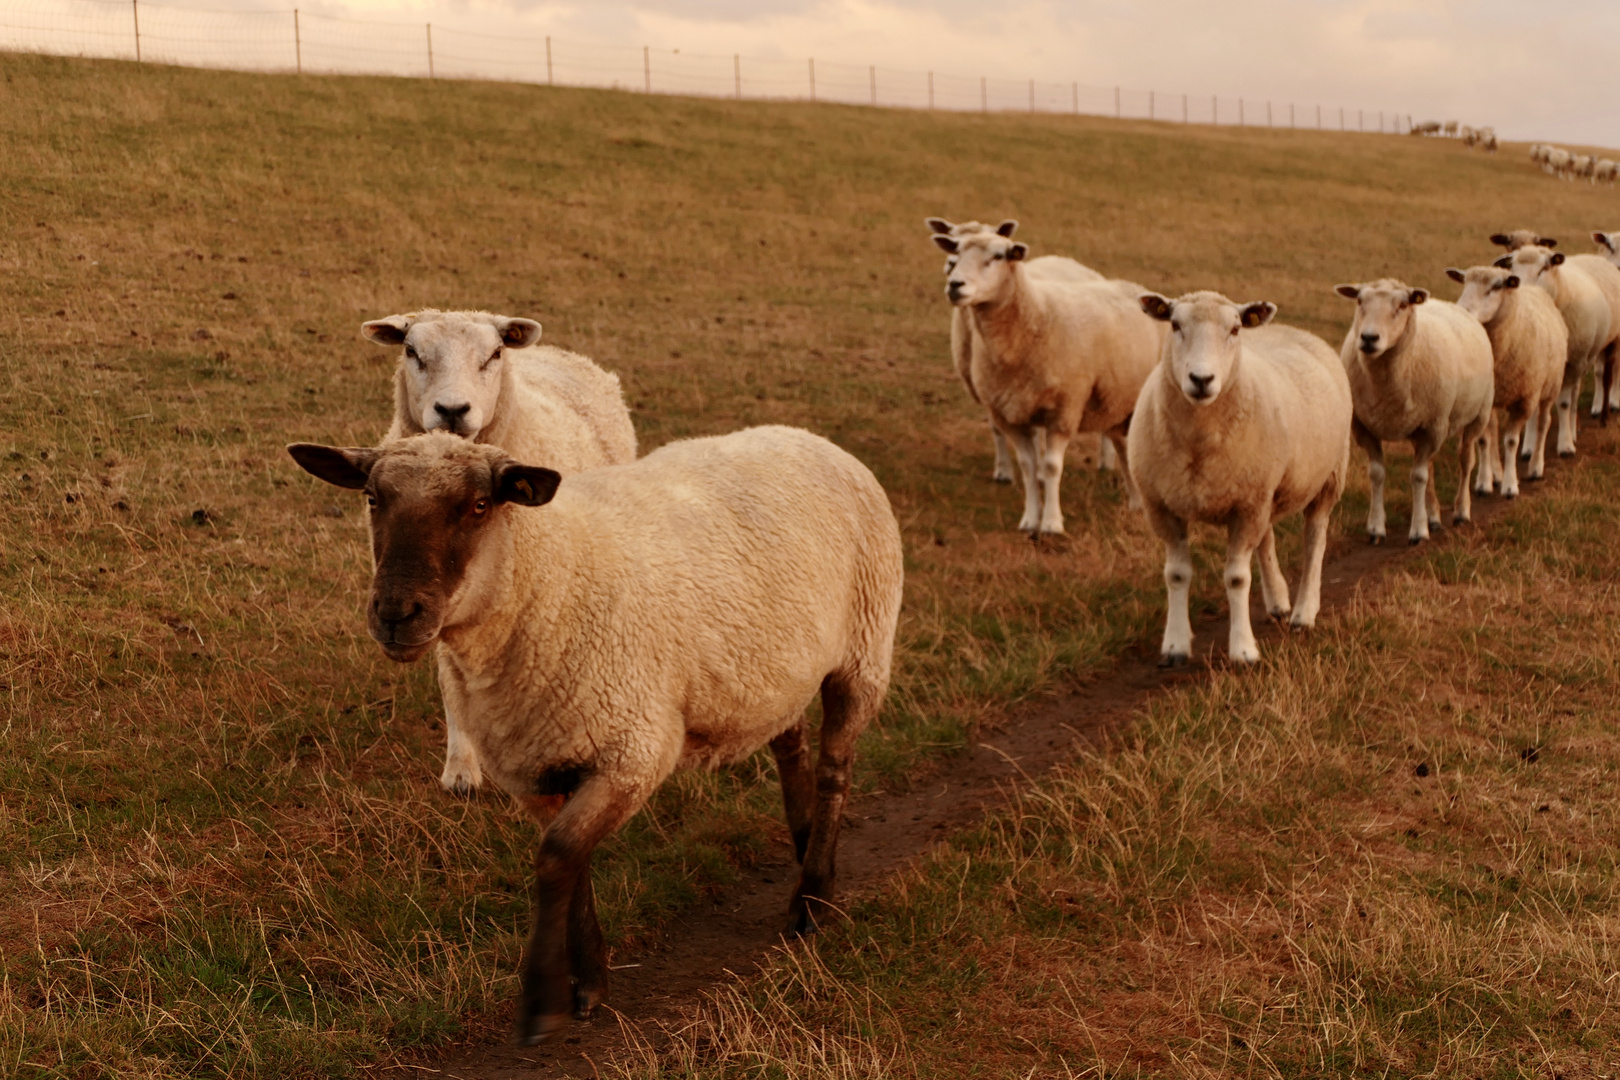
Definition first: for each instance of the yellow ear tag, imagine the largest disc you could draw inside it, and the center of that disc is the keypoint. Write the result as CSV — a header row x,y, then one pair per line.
x,y
524,488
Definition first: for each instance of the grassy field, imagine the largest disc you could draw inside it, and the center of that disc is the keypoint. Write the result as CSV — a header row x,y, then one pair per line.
x,y
222,847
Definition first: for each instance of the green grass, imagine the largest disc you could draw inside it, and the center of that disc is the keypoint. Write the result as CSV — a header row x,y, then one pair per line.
x,y
222,847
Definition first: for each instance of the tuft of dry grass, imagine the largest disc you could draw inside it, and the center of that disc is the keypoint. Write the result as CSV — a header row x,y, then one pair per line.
x,y
222,849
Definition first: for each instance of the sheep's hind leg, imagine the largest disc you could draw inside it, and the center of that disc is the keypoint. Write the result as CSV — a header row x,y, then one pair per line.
x,y
1003,473
1512,435
549,992
1116,440
1374,448
847,706
1273,585
587,952
1488,477
1538,453
1317,517
798,778
1467,459
1568,421
1176,647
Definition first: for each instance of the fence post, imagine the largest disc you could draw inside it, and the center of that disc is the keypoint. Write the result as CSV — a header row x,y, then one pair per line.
x,y
1032,95
1341,117
1380,121
1319,118
1151,106
646,67
1361,121
1268,114
1117,113
1215,109
984,95
873,71
736,67
549,80
1291,114
298,44
135,9
812,79
1183,108
930,89
1240,112
430,49
1075,87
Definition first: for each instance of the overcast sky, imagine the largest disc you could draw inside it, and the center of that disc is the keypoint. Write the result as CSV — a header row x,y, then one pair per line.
x,y
1536,69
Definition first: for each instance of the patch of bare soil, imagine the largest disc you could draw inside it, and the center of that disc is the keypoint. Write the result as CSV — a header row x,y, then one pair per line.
x,y
735,931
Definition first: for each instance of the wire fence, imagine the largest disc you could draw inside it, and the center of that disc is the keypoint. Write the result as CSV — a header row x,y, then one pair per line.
x,y
292,40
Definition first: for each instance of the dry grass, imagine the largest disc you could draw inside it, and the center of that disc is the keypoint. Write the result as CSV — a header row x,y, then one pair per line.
x,y
222,851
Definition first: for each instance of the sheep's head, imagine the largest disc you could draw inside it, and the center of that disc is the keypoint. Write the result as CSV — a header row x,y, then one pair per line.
x,y
1483,289
450,370
980,268
1534,265
941,227
1383,313
1608,245
433,498
1519,238
1206,338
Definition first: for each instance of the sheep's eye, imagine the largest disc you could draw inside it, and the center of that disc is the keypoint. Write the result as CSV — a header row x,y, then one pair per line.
x,y
997,257
1176,327
494,356
371,500
481,507
1234,331
412,355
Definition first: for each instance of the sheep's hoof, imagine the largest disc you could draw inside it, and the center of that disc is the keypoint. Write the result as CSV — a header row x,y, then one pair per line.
x,y
534,1030
460,787
1245,659
1566,453
1279,614
1296,627
1414,541
1531,478
1002,479
1173,659
1514,494
1375,539
1460,519
1059,531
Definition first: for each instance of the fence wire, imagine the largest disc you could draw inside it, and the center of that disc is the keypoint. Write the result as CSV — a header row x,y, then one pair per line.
x,y
300,41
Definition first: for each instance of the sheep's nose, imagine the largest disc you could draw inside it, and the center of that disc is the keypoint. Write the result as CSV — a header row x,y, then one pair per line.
x,y
392,611
1200,384
953,289
452,415
1369,342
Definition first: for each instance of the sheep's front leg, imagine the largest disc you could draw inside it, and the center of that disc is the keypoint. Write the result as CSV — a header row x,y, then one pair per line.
x,y
1023,444
848,705
1422,456
1374,448
1273,586
1109,454
1567,419
1512,435
1052,480
1535,433
553,987
1543,424
1243,536
798,779
1176,648
1489,474
1318,515
1003,473
462,773
1462,509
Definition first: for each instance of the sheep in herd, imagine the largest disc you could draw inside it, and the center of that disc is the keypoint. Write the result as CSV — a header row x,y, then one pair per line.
x,y
1581,166
1519,238
1051,267
680,610
1061,357
1586,289
1427,127
1240,424
1489,141
1468,135
1420,370
1606,170
1608,245
1529,343
1557,162
478,375
1450,128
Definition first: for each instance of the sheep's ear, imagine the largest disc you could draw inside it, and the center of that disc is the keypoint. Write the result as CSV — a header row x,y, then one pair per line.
x,y
1256,314
1546,241
1603,241
938,225
526,485
1456,275
1502,240
519,333
1016,252
340,466
1504,263
1511,281
1349,292
1157,307
946,243
1417,296
1557,258
1008,227
389,331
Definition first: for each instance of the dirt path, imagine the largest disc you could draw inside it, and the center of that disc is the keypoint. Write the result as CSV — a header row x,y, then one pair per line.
x,y
733,933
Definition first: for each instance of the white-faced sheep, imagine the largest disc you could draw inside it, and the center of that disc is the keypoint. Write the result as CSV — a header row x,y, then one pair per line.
x,y
1450,128
482,377
681,610
1058,357
1581,166
1586,289
1529,344
1240,424
1420,371
1557,162
1606,171
1049,267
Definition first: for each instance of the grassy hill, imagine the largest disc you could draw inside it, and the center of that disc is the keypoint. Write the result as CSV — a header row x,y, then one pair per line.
x,y
222,846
